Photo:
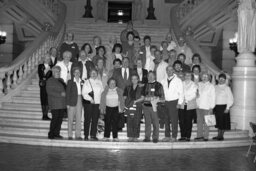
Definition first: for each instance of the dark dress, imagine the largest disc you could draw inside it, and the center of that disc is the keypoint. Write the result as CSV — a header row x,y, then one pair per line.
x,y
42,84
133,113
222,119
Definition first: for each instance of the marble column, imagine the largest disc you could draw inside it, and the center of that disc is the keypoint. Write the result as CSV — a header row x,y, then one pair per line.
x,y
244,73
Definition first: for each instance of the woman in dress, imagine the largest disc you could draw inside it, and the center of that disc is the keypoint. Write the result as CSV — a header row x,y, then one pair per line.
x,y
44,73
91,93
224,100
133,96
111,104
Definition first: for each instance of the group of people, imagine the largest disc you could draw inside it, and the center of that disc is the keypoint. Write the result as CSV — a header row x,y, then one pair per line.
x,y
124,82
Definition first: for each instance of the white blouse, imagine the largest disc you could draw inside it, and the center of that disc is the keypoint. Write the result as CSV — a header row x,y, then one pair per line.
x,y
224,95
112,98
65,72
190,89
96,86
206,98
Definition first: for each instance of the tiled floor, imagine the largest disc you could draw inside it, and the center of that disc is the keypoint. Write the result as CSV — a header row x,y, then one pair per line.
x,y
35,158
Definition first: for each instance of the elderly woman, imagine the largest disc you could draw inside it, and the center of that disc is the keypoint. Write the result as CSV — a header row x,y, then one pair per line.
x,y
133,96
165,52
188,108
57,102
111,104
205,103
74,103
91,92
44,73
70,45
224,100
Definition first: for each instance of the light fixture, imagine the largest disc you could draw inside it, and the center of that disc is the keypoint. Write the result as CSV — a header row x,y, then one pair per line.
x,y
3,35
120,13
233,43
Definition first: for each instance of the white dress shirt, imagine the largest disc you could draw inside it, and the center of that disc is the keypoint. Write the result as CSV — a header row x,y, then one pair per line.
x,y
127,72
148,53
150,65
95,86
206,99
161,71
175,89
224,95
65,72
78,86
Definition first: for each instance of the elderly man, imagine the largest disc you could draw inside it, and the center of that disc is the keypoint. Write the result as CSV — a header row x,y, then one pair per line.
x,y
173,92
57,102
65,66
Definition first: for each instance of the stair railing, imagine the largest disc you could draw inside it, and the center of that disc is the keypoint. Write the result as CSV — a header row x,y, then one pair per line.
x,y
13,76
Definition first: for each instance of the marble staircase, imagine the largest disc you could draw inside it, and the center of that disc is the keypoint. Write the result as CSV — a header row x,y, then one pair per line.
x,y
84,31
20,122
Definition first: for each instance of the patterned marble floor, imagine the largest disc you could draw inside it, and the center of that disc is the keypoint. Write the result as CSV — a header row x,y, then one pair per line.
x,y
35,158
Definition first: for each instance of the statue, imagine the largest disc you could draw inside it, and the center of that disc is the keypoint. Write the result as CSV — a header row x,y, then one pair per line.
x,y
246,26
137,9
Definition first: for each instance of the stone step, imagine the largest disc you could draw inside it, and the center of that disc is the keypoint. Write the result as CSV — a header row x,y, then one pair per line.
x,y
27,93
20,114
43,132
43,141
21,106
27,100
33,87
35,121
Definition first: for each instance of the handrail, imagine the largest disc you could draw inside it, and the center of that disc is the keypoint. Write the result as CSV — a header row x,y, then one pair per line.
x,y
176,32
19,69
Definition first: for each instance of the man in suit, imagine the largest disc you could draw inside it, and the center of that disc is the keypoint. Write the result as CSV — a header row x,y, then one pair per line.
x,y
53,55
142,73
145,50
123,74
85,64
57,102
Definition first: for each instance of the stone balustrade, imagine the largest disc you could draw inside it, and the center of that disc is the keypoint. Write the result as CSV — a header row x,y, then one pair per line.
x,y
186,7
52,5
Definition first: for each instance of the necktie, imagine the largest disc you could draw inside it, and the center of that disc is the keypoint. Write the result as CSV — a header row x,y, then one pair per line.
x,y
169,81
125,74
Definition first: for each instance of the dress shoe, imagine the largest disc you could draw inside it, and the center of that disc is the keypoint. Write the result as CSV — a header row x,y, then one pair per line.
x,y
205,139
135,140
146,140
86,139
215,138
182,139
155,140
188,139
70,138
94,139
46,118
199,138
59,137
166,139
79,138
220,139
173,139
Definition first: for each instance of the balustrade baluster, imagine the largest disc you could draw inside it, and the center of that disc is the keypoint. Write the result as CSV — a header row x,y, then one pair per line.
x,y
20,75
2,75
33,61
29,64
8,81
14,79
38,53
25,70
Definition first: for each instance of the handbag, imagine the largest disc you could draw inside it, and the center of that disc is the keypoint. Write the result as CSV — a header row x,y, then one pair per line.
x,y
91,93
210,120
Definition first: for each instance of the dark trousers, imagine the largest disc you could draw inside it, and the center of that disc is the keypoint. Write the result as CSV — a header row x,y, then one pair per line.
x,y
186,121
171,115
133,122
55,125
161,112
44,101
45,110
111,122
91,116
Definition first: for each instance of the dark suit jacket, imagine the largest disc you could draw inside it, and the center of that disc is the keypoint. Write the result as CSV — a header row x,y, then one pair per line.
x,y
54,88
89,66
144,75
71,93
42,76
143,55
121,82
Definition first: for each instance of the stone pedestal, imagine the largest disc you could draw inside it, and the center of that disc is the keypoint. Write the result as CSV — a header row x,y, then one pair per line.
x,y
244,90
